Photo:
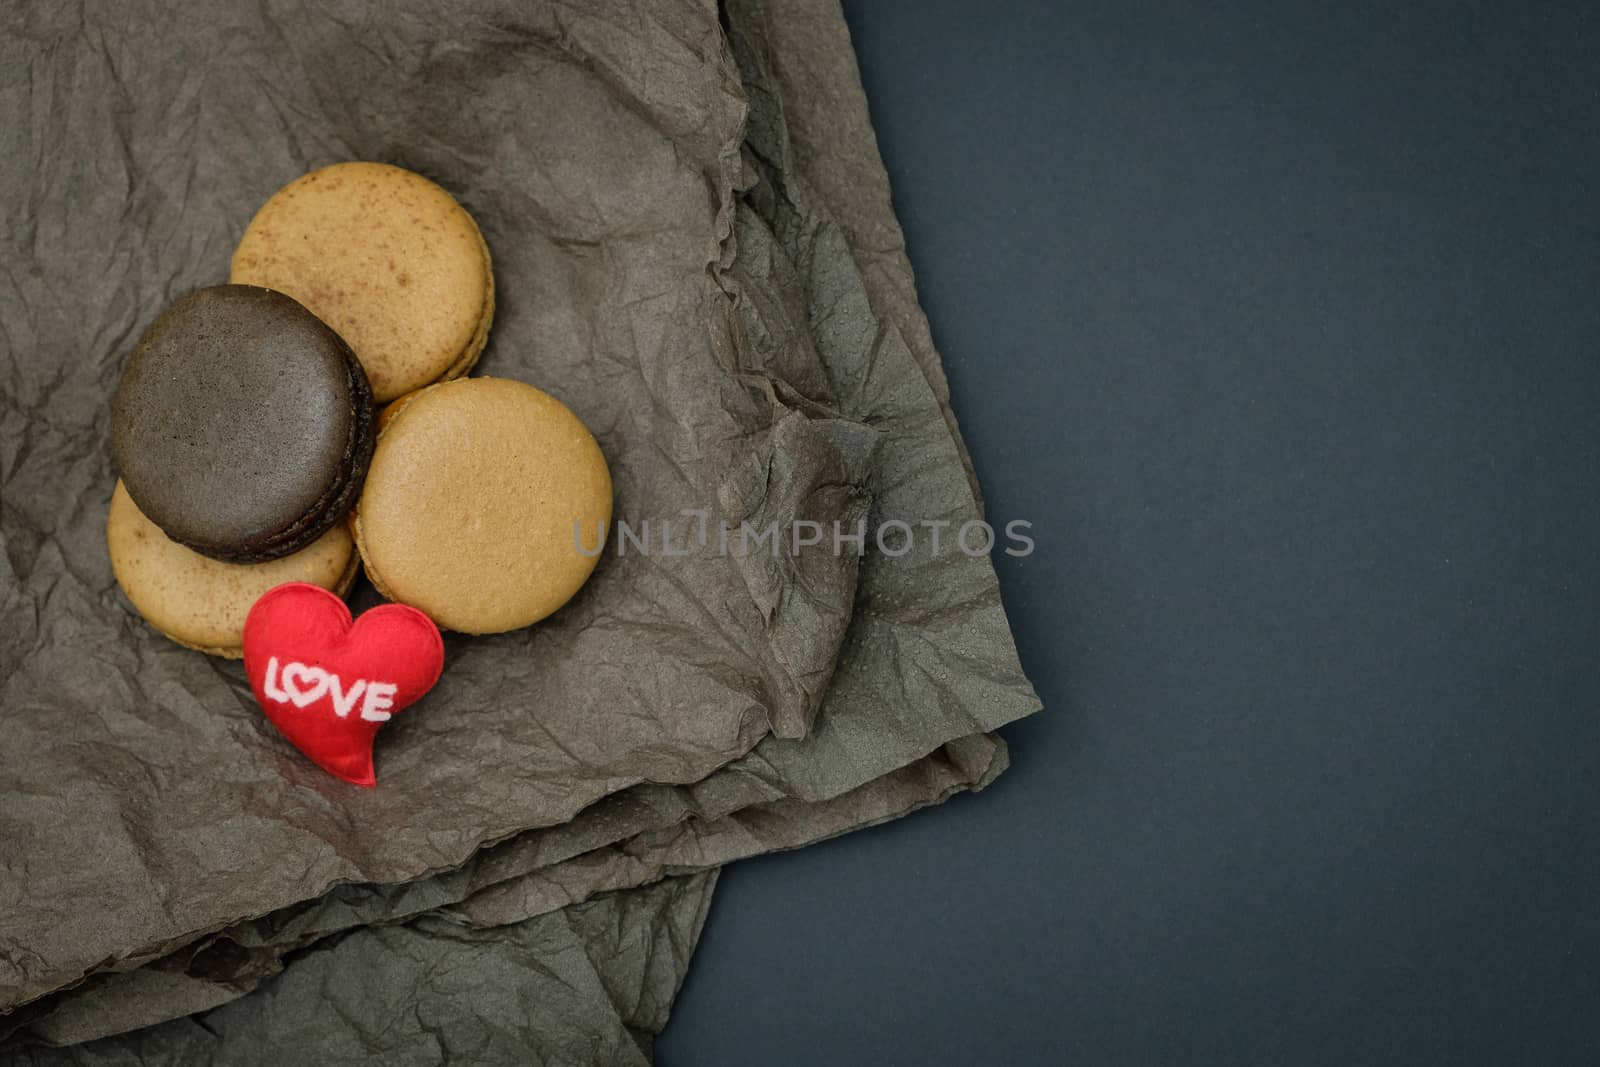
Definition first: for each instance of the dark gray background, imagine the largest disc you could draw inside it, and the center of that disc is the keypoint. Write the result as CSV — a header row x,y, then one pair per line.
x,y
1280,323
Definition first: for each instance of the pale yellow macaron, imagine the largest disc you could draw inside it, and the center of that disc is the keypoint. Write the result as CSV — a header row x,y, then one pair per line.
x,y
201,603
386,258
485,505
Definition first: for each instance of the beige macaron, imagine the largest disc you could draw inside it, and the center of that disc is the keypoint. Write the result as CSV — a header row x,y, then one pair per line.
x,y
485,506
201,603
386,258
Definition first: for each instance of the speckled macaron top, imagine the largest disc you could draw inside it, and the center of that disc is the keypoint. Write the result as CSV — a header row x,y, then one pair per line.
x,y
485,506
385,257
243,425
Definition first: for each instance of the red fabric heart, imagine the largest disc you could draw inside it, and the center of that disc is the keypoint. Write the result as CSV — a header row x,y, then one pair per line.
x,y
327,682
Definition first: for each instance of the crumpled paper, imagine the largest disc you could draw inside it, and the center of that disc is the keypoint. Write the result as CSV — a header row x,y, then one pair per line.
x,y
761,303
590,984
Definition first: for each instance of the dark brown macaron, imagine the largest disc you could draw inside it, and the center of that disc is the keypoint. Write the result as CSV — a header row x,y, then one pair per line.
x,y
243,425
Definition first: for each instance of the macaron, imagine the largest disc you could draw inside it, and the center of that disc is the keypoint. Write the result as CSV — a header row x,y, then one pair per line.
x,y
243,425
202,603
480,493
385,257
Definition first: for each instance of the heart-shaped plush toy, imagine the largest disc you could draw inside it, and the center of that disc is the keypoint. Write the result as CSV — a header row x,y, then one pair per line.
x,y
328,682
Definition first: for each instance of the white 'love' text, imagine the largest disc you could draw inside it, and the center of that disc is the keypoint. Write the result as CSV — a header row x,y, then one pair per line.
x,y
301,685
